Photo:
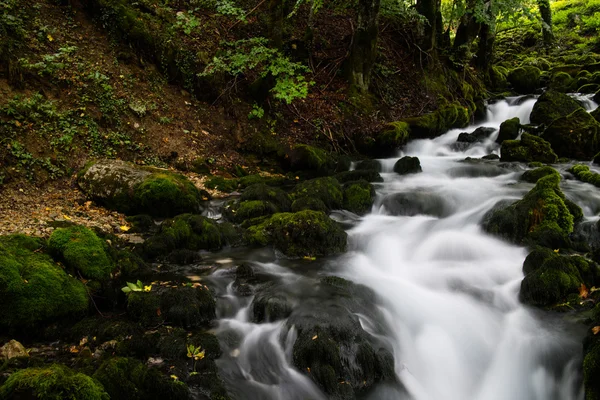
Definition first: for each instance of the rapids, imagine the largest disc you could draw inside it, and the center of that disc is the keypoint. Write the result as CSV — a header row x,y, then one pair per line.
x,y
447,291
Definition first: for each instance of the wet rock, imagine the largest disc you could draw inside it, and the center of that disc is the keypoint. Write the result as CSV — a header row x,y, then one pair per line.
x,y
328,190
262,192
407,165
359,174
534,175
529,148
415,203
477,136
509,130
302,157
13,349
552,105
271,303
525,80
358,196
368,165
575,135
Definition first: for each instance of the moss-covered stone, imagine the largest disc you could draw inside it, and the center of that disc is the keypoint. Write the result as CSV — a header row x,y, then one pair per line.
x,y
33,289
498,76
308,158
128,379
408,165
575,135
359,174
308,203
186,231
525,80
552,105
529,148
262,192
541,217
562,82
588,88
222,184
534,175
132,189
305,233
434,124
583,173
393,136
358,196
55,382
83,251
241,211
536,258
327,189
186,306
509,130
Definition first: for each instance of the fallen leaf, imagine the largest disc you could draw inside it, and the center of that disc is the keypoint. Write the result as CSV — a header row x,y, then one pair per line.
x,y
67,217
50,38
583,291
595,330
314,337
158,312
125,228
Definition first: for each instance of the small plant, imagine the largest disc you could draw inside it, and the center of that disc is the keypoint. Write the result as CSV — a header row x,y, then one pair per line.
x,y
136,287
195,353
257,112
187,22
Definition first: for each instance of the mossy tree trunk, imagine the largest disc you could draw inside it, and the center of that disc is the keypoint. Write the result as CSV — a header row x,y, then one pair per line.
x,y
467,31
544,6
364,45
485,50
430,9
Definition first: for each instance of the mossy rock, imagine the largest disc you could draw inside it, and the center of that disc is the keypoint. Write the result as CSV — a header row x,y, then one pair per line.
x,y
308,203
434,124
534,175
575,135
358,196
542,217
83,251
498,77
368,165
132,189
591,369
262,192
185,306
536,258
305,233
303,157
55,382
525,80
583,173
588,88
561,82
359,174
408,165
34,289
552,105
393,136
529,148
272,180
128,379
239,212
557,278
222,184
509,130
187,231
327,189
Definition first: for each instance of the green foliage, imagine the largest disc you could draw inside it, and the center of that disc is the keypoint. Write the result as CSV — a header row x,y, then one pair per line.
x,y
50,63
135,287
253,56
257,112
187,22
55,382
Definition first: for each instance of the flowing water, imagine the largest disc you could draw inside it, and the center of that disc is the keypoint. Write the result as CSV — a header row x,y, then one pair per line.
x,y
447,292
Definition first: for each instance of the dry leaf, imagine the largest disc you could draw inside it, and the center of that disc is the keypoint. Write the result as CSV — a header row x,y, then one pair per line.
x,y
67,217
595,330
158,312
125,228
314,337
583,291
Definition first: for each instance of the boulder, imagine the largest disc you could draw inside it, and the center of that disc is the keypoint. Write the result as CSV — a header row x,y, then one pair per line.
x,y
529,148
583,173
358,196
509,130
302,157
275,196
309,203
13,349
552,105
368,165
131,189
33,288
477,136
83,251
407,165
434,124
51,382
575,135
393,136
327,189
542,217
525,80
305,233
562,82
534,175
239,212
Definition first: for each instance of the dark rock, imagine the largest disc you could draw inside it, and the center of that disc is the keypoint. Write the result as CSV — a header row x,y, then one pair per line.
x,y
552,105
529,148
368,165
575,135
509,130
416,203
407,165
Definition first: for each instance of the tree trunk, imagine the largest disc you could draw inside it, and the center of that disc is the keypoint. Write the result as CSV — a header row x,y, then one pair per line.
x,y
430,9
544,6
278,10
485,52
364,44
467,31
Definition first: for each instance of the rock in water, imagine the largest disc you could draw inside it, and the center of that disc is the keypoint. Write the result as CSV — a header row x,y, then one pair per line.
x,y
575,135
552,105
407,165
13,349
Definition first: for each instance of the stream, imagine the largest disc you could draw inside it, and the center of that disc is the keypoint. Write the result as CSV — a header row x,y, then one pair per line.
x,y
447,293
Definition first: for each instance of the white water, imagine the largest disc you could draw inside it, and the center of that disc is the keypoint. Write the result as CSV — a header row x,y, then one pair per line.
x,y
448,291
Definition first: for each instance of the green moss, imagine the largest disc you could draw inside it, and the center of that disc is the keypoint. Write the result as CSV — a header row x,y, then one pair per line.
x,y
552,105
33,289
308,158
561,82
591,371
250,180
583,173
509,130
239,212
222,184
55,382
308,203
262,192
359,174
533,175
166,195
328,190
498,76
368,165
525,80
434,124
358,196
588,88
575,135
81,250
541,217
551,283
536,259
305,233
129,379
529,148
392,137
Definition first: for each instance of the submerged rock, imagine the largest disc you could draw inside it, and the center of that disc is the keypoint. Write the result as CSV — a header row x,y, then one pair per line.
x,y
415,203
408,165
